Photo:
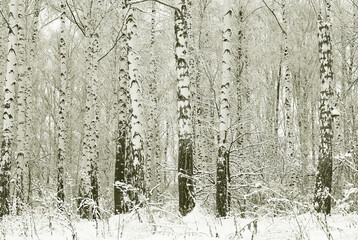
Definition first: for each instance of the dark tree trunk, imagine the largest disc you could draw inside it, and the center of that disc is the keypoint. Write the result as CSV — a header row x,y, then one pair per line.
x,y
222,199
119,174
185,181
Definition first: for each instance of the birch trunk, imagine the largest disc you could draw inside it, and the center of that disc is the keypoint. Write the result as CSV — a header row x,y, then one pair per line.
x,y
287,89
222,203
137,179
29,104
95,120
62,111
86,202
3,59
185,155
153,160
9,112
322,198
21,178
119,190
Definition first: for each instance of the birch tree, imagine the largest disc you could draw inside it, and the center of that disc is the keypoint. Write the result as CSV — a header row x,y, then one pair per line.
x,y
21,163
29,90
95,119
322,197
287,87
222,203
89,175
153,159
137,176
185,151
61,115
3,52
122,96
9,112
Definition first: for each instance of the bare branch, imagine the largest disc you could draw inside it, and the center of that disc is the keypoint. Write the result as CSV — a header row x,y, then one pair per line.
x,y
160,2
117,38
7,23
80,26
248,15
278,22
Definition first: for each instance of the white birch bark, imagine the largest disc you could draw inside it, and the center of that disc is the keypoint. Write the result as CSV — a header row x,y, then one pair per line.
x,y
222,203
135,96
62,110
95,119
153,157
9,111
185,131
122,96
29,104
287,89
85,173
3,59
22,178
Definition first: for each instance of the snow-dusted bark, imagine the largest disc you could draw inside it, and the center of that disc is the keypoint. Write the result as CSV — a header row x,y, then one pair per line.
x,y
241,75
30,72
122,96
193,83
153,170
9,111
222,203
62,111
88,192
95,119
22,170
322,198
3,30
242,65
286,72
85,183
185,151
149,170
137,179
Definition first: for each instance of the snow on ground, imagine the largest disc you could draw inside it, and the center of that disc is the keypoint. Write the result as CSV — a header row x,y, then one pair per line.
x,y
158,224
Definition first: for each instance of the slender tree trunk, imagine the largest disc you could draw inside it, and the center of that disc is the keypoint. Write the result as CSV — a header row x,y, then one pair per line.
x,y
21,178
95,119
29,104
322,198
137,179
185,155
287,89
240,74
3,59
62,111
150,129
153,160
119,190
9,112
277,103
85,194
241,61
222,203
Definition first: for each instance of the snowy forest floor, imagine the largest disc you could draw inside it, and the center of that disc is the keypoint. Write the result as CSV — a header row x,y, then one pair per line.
x,y
158,224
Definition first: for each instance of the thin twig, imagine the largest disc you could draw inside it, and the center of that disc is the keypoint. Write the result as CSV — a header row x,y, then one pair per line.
x,y
7,23
75,20
119,36
248,15
278,22
160,2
